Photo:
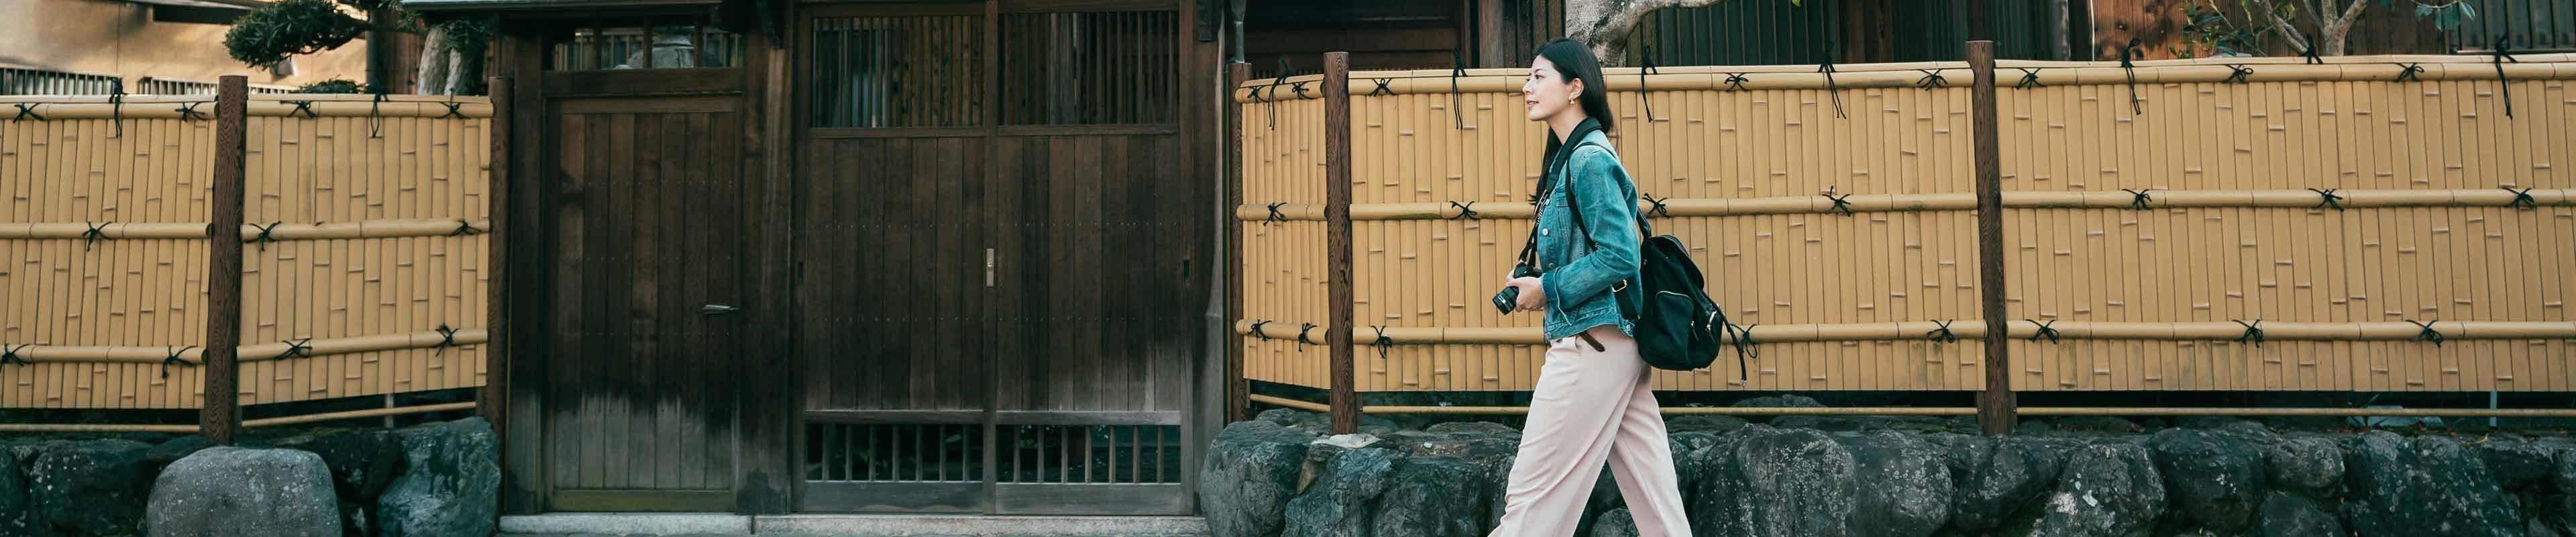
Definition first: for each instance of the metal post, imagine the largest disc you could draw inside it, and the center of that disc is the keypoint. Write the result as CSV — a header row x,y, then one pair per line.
x,y
1337,232
1995,406
221,413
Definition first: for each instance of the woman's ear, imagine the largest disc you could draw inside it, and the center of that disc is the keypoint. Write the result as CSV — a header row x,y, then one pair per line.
x,y
1573,89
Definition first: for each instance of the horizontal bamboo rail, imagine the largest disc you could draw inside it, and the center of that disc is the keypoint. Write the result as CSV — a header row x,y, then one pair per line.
x,y
364,229
1967,411
249,353
1974,329
53,107
2157,199
262,422
2559,66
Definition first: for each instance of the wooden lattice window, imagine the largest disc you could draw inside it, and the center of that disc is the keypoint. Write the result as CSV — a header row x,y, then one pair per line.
x,y
1063,68
634,43
909,71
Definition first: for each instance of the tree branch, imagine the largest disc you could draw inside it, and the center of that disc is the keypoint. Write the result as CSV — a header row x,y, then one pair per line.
x,y
1605,25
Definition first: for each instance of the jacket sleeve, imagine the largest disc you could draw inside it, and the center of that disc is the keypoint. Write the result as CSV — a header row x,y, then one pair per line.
x,y
1609,218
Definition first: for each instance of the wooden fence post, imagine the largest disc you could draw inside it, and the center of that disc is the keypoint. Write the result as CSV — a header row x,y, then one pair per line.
x,y
492,401
221,413
1995,406
1238,392
1337,231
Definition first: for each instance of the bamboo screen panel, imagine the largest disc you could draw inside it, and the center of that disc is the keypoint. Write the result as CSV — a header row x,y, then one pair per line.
x,y
1750,161
360,203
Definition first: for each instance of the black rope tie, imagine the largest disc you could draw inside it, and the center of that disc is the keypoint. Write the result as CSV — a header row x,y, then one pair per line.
x,y
173,358
1458,68
1746,348
1842,204
2311,52
1383,344
1735,81
2522,199
2138,198
116,108
2428,333
1381,87
1274,214
2136,106
2253,332
2504,86
1828,69
303,107
376,116
464,228
1270,101
1655,206
1649,104
264,238
1299,88
2029,79
446,338
1466,211
1931,79
2330,199
1302,342
27,110
2236,74
2408,71
1256,329
452,110
295,349
2045,331
188,112
97,232
9,355
1943,333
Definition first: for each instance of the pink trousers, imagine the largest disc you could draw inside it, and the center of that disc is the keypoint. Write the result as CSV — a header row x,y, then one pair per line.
x,y
1592,407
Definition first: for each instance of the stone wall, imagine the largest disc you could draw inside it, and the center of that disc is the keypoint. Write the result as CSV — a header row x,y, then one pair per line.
x,y
1279,475
434,480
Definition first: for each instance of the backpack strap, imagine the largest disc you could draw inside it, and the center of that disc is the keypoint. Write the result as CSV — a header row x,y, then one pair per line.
x,y
1643,229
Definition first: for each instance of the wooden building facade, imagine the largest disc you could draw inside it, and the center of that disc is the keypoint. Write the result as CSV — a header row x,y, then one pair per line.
x,y
778,257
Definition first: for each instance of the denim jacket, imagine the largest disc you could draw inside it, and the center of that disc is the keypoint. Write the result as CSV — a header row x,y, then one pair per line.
x,y
1577,278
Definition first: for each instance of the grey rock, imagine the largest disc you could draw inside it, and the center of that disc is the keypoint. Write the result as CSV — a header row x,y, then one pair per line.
x,y
2565,477
1767,481
1248,476
1321,452
450,486
2424,486
2308,464
1821,423
92,488
2100,424
2214,479
1996,476
2535,527
2107,489
1713,424
227,492
1344,496
177,448
1429,498
1782,400
1472,427
2289,516
2517,464
362,462
2034,427
1908,487
17,511
1323,422
1616,523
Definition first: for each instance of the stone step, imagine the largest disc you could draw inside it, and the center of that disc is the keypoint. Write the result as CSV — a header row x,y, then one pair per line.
x,y
727,525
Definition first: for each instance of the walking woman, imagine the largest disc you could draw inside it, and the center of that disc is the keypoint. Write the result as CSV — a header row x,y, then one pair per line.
x,y
1592,403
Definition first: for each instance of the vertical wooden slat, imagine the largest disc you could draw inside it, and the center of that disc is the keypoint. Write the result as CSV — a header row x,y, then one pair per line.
x,y
1995,405
221,414
1238,386
1337,207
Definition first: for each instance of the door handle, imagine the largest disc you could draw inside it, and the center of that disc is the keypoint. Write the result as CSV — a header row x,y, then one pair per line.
x,y
718,309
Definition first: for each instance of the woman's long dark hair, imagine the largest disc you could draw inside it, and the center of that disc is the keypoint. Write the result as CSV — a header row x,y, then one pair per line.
x,y
1574,62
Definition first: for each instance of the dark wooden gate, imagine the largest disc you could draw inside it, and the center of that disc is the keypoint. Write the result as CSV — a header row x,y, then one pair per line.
x,y
645,332
1000,257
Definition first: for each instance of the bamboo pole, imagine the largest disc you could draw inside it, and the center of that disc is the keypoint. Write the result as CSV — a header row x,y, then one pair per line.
x,y
1995,405
248,353
221,413
1337,201
2020,329
59,107
1861,203
1965,411
363,229
356,414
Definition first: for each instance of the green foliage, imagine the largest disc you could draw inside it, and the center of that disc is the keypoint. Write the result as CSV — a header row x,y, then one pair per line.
x,y
292,27
336,85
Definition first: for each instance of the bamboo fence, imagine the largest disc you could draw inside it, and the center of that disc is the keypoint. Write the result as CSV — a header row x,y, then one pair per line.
x,y
2156,215
364,249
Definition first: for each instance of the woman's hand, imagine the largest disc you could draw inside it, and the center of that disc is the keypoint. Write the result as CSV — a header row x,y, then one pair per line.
x,y
1532,297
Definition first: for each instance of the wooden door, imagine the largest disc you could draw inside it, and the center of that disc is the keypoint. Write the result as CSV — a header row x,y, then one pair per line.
x,y
648,304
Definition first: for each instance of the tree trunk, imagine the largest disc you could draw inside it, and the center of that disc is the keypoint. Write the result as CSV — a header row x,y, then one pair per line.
x,y
1605,25
434,67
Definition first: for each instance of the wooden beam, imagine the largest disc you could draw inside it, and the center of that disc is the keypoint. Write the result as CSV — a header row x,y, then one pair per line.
x,y
1995,404
496,364
221,414
1337,225
1237,389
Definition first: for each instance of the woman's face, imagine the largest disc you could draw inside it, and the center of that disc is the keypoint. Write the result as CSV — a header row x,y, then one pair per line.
x,y
1548,93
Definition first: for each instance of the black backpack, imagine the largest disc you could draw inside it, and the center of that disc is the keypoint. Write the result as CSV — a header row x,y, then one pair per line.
x,y
1678,327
